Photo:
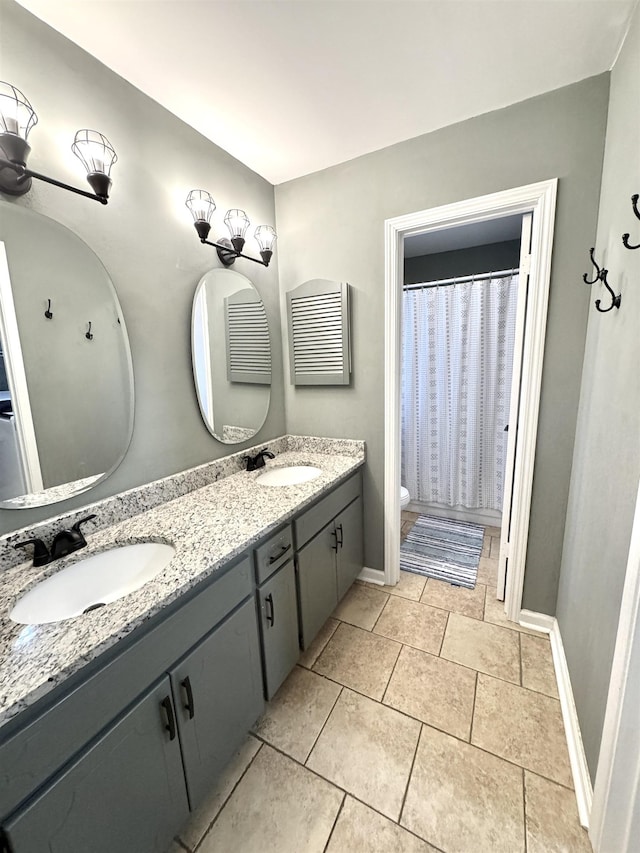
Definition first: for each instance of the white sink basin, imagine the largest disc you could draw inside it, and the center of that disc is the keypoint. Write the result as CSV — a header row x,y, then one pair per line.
x,y
288,476
91,583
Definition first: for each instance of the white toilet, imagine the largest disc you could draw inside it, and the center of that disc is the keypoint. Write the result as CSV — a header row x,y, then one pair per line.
x,y
405,497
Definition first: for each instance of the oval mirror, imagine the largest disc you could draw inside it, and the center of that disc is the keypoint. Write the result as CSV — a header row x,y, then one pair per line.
x,y
231,352
66,382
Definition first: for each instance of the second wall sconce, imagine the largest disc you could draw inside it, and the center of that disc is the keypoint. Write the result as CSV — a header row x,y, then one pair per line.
x,y
201,205
17,118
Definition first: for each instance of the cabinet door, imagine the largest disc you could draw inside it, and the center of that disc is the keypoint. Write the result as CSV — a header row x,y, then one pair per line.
x,y
279,627
124,793
218,695
350,545
317,582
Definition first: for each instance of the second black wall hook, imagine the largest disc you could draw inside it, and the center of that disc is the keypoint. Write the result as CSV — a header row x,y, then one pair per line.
x,y
49,313
625,237
89,336
601,275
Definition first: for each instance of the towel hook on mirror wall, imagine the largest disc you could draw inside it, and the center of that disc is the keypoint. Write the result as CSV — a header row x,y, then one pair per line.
x,y
48,313
625,237
88,335
601,275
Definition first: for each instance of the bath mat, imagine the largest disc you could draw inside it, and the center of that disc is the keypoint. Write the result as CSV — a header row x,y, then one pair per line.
x,y
442,549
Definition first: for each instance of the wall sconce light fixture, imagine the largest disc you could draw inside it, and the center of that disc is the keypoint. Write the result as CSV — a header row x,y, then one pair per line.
x,y
17,118
201,205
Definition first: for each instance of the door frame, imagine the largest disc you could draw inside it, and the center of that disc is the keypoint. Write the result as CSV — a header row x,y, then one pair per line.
x,y
539,199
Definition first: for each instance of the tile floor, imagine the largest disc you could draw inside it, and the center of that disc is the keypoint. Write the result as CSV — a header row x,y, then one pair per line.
x,y
419,720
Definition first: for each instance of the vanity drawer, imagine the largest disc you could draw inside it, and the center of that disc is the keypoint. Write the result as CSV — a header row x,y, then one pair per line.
x,y
314,519
273,553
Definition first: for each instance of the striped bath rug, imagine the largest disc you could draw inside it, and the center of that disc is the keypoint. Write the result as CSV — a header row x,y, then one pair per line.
x,y
445,550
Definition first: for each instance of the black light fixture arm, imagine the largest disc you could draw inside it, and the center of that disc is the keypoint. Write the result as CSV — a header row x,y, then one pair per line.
x,y
231,252
24,173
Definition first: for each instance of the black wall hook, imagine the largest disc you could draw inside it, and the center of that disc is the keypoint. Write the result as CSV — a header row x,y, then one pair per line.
x,y
89,336
625,237
601,275
49,313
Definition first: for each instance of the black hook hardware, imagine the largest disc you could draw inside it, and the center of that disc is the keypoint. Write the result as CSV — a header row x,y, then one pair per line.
x,y
625,237
49,313
89,336
601,275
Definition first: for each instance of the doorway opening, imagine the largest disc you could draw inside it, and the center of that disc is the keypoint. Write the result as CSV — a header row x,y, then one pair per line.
x,y
533,207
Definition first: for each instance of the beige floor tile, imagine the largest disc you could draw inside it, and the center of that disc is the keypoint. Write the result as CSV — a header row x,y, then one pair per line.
x,y
553,825
469,602
361,606
361,830
277,806
522,726
494,532
488,572
494,549
407,515
494,613
316,648
295,716
412,623
537,665
359,659
481,646
486,546
367,749
462,799
410,586
203,817
433,690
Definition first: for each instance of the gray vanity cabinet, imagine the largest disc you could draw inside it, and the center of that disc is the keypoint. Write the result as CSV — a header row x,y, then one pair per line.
x,y
279,627
329,562
125,792
217,690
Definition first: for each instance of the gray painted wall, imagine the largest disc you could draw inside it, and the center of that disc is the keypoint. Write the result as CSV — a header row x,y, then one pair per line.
x,y
144,237
475,259
606,462
332,223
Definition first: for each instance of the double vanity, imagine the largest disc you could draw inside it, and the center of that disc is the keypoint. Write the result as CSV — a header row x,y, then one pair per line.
x,y
115,723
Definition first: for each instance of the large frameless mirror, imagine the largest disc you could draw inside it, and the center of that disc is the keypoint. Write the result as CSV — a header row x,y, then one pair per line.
x,y
66,381
231,352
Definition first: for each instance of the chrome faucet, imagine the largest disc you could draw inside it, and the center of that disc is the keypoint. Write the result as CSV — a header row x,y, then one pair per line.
x,y
257,461
65,542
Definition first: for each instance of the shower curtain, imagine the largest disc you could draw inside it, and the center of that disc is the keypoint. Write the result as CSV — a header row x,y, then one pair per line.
x,y
457,355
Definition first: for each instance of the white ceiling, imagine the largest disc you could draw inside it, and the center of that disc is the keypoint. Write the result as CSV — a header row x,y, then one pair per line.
x,y
292,86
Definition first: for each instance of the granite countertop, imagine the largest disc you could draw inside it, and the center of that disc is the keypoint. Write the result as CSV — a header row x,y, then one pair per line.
x,y
208,527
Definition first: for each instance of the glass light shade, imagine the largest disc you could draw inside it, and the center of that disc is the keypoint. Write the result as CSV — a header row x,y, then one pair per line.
x,y
266,237
201,205
17,116
237,222
94,151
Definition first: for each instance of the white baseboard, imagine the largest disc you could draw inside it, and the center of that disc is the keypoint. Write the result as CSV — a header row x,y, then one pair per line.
x,y
577,758
371,576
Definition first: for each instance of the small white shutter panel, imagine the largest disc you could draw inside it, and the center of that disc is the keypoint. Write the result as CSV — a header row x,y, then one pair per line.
x,y
248,344
319,344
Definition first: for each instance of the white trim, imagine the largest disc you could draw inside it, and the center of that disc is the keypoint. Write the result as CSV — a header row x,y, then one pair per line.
x,y
577,757
17,376
371,576
536,621
616,801
540,199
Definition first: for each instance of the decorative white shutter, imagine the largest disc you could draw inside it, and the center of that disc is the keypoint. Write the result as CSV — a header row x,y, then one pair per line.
x,y
248,344
319,340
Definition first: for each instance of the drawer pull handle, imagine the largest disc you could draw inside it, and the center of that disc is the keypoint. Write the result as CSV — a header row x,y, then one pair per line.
x,y
340,541
269,610
170,725
188,706
275,557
